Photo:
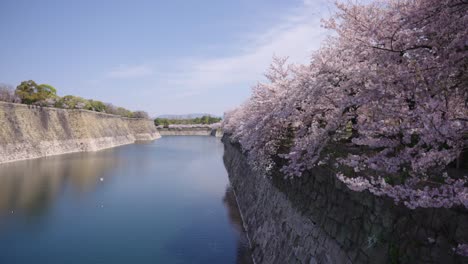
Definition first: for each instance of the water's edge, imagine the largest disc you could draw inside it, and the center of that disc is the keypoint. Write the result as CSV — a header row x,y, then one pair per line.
x,y
244,225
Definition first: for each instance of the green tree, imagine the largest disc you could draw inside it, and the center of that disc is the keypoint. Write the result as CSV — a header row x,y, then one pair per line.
x,y
97,106
161,121
124,112
73,102
31,93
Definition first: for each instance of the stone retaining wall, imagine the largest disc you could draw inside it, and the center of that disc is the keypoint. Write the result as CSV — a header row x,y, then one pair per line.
x,y
31,132
317,219
190,131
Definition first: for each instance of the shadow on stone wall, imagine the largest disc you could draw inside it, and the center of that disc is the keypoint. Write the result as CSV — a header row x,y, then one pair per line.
x,y
244,255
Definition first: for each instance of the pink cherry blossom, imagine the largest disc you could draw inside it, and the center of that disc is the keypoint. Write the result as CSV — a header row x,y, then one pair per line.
x,y
390,88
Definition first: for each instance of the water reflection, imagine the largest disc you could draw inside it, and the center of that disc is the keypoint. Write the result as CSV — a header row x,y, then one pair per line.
x,y
243,247
30,187
159,202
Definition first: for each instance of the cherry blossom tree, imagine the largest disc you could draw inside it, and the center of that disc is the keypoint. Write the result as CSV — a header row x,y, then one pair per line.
x,y
390,87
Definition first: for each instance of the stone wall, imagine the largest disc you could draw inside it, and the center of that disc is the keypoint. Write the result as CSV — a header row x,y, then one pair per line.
x,y
31,132
317,219
217,133
190,131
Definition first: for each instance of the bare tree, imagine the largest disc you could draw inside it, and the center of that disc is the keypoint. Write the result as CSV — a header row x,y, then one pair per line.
x,y
7,94
140,114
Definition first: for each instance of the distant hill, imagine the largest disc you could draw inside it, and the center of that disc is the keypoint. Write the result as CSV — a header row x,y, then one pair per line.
x,y
186,116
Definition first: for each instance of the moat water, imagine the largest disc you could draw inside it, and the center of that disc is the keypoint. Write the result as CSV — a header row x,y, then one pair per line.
x,y
166,201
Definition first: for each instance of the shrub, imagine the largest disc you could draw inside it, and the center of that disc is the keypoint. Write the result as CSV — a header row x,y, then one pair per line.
x,y
140,114
97,106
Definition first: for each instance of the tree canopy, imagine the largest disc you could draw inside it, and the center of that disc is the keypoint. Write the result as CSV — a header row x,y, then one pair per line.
x,y
30,92
390,87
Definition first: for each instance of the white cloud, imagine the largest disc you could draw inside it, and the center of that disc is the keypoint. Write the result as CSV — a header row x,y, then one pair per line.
x,y
175,85
296,36
126,71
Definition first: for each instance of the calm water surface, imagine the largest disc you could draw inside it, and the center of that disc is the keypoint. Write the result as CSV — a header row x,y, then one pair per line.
x,y
167,201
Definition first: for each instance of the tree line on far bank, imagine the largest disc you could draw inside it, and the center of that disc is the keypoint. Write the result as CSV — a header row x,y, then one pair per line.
x,y
31,93
204,120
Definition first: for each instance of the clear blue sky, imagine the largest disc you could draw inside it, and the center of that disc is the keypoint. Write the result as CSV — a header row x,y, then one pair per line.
x,y
165,57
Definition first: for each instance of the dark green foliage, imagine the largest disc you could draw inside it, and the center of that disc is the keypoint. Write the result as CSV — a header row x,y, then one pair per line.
x,y
204,120
97,106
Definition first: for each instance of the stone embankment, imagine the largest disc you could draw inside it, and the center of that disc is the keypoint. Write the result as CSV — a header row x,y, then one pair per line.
x,y
317,219
190,131
28,132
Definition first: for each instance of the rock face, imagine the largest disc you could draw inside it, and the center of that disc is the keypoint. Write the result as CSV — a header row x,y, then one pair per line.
x,y
217,133
28,132
317,219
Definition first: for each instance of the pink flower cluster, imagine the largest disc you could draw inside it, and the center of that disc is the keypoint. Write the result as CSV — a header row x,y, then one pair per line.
x,y
462,250
451,193
392,82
